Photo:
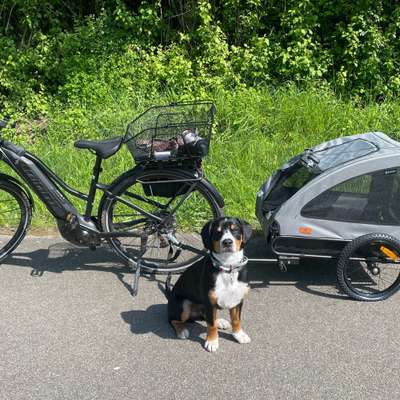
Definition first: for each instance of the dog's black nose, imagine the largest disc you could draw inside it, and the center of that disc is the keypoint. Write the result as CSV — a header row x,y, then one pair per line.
x,y
227,242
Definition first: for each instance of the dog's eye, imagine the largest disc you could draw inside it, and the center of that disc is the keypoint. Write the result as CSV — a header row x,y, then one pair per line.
x,y
217,235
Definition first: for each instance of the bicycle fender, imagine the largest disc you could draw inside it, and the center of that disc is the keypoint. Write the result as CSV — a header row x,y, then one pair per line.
x,y
5,177
218,197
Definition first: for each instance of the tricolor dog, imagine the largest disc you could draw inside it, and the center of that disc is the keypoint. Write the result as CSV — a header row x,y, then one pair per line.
x,y
219,281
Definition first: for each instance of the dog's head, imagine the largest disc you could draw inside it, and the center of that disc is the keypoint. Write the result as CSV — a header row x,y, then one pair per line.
x,y
225,235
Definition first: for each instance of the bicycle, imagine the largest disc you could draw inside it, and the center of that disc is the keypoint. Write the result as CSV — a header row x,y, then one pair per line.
x,y
151,215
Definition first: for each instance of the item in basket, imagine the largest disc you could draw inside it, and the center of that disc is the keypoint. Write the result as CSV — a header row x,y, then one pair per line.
x,y
165,145
164,149
192,143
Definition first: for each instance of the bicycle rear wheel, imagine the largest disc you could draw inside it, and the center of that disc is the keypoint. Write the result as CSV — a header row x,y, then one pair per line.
x,y
184,207
15,217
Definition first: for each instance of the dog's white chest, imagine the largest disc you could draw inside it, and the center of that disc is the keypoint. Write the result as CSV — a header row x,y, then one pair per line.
x,y
228,290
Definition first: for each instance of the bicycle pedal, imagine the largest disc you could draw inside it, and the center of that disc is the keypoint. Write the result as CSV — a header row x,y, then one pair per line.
x,y
164,242
37,272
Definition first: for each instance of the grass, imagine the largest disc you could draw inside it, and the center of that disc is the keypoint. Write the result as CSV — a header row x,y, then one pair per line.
x,y
256,131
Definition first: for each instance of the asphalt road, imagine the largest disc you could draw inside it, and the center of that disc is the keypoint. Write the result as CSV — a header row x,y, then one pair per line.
x,y
69,329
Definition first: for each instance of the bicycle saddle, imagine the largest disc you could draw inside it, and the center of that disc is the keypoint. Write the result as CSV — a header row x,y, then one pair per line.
x,y
103,148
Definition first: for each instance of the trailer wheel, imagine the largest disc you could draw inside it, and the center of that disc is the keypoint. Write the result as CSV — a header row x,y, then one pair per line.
x,y
369,267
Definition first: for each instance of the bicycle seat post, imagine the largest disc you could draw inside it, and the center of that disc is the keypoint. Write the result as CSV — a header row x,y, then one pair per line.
x,y
93,186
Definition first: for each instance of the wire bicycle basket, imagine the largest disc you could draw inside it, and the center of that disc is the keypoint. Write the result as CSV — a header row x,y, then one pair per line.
x,y
171,132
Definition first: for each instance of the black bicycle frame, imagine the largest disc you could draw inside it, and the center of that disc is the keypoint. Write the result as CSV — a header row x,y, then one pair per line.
x,y
46,184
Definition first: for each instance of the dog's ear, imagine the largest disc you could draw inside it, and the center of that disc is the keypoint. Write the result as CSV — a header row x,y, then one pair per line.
x,y
206,235
246,229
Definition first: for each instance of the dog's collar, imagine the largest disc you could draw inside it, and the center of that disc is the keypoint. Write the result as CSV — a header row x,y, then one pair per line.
x,y
231,268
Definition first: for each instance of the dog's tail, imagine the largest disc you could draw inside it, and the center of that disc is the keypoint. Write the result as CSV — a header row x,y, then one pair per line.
x,y
168,287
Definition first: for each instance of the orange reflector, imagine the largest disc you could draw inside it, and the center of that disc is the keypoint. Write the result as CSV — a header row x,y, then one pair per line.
x,y
305,230
389,253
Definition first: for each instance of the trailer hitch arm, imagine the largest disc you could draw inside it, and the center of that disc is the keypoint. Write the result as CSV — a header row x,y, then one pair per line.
x,y
184,246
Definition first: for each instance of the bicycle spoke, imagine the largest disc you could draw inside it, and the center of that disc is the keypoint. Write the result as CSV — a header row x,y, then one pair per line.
x,y
145,200
374,278
9,210
127,225
361,268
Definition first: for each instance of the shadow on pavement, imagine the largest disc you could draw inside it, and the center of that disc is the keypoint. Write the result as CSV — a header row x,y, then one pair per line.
x,y
311,276
63,256
154,320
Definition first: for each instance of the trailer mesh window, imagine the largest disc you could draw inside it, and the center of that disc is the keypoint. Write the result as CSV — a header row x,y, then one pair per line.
x,y
370,199
287,185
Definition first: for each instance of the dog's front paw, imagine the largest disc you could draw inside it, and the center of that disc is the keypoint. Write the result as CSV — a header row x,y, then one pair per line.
x,y
211,345
183,334
223,323
242,337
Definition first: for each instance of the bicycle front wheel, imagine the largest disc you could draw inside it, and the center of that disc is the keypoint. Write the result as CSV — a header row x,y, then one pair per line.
x,y
182,207
15,217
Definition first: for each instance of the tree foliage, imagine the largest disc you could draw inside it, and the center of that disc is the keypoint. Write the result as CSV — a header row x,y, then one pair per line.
x,y
79,48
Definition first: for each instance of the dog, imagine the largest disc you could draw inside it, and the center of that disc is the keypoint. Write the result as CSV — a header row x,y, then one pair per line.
x,y
219,281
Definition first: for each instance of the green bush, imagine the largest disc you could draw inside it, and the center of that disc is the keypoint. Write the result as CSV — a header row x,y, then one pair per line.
x,y
51,49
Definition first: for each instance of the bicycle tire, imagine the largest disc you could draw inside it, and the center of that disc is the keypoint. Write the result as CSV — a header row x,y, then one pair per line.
x,y
359,292
12,232
107,208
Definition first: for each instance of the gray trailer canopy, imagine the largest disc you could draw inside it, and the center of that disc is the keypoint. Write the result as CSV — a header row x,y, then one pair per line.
x,y
340,189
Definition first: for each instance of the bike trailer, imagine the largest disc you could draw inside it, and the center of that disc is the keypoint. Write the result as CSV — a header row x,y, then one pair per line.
x,y
331,195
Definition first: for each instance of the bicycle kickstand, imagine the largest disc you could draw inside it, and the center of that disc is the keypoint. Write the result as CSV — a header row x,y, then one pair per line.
x,y
136,276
